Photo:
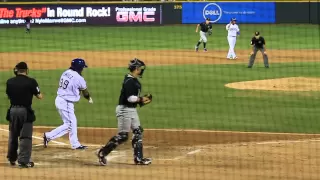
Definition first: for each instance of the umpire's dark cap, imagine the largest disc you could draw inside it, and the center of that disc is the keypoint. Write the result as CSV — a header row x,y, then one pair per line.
x,y
22,65
257,33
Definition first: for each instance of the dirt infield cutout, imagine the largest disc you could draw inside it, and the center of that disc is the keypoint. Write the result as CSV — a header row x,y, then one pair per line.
x,y
280,84
55,60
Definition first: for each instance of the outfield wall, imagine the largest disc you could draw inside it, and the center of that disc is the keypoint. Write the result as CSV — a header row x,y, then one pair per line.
x,y
158,13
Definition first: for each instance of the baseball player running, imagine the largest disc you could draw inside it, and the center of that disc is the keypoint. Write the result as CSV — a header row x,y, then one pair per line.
x,y
233,32
205,28
258,44
127,115
70,85
28,22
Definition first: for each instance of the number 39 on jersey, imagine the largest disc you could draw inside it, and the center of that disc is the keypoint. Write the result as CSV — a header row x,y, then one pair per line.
x,y
63,83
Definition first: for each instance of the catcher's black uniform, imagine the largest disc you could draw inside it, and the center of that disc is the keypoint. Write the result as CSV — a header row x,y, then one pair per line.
x,y
127,115
130,87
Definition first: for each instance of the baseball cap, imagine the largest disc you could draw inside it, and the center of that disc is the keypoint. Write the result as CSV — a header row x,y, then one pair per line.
x,y
257,33
233,19
22,65
208,19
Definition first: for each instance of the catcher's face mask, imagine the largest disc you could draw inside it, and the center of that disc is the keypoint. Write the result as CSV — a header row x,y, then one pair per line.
x,y
137,65
141,69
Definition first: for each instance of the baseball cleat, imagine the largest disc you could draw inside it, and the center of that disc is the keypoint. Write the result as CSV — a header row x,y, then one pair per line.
x,y
249,66
205,50
143,161
26,165
45,141
196,48
12,163
235,57
101,157
81,147
266,66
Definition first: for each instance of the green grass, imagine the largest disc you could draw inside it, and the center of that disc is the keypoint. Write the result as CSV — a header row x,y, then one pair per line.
x,y
143,38
190,97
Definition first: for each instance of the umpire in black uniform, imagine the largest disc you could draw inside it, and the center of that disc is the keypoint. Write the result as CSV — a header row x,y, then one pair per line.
x,y
20,91
258,44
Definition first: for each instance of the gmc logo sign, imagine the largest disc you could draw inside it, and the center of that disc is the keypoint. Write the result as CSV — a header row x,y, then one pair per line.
x,y
135,16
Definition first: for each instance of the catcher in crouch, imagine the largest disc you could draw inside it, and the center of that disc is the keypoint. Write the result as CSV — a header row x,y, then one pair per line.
x,y
127,115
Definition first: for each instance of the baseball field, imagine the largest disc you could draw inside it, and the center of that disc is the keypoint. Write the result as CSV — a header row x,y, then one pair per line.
x,y
211,118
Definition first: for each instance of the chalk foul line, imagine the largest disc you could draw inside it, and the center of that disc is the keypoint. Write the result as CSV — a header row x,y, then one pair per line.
x,y
39,138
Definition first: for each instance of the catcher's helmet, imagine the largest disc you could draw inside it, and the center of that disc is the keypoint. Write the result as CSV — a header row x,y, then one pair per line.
x,y
20,66
136,63
78,65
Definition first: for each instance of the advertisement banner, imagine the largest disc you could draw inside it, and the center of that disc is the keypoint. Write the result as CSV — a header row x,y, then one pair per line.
x,y
109,14
222,12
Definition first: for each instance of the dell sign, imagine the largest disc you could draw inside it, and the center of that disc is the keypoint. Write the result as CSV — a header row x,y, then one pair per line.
x,y
222,12
212,11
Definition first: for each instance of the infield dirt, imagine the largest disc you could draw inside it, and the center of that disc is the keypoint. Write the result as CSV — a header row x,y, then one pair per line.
x,y
177,154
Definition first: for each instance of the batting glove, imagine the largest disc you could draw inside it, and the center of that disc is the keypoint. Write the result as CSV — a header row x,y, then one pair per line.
x,y
90,101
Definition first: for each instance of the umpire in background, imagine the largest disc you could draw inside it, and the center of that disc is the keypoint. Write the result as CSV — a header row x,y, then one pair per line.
x,y
258,44
20,91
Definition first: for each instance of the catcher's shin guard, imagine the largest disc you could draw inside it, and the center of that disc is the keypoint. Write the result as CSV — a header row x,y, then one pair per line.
x,y
114,142
137,143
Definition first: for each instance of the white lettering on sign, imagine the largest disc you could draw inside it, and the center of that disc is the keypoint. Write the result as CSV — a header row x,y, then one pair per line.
x,y
102,12
143,14
51,12
70,12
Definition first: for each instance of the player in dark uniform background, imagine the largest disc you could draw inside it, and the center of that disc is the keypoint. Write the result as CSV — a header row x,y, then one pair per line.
x,y
258,44
20,91
205,28
28,23
127,115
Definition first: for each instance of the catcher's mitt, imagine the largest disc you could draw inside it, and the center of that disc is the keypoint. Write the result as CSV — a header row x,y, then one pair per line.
x,y
148,101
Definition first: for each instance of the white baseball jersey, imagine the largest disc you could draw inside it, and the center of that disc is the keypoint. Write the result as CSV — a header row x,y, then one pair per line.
x,y
232,29
70,85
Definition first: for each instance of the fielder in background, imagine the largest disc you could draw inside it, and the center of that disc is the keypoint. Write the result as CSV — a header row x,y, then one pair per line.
x,y
70,85
127,115
233,32
205,29
258,44
28,23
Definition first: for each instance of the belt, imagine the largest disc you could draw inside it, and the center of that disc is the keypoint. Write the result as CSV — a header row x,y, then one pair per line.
x,y
232,36
18,106
66,100
125,106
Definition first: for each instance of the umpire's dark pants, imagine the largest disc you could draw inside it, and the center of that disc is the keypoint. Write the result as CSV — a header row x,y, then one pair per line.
x,y
20,129
253,57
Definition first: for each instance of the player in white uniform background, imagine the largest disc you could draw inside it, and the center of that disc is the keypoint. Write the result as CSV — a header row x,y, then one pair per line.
x,y
233,32
70,85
